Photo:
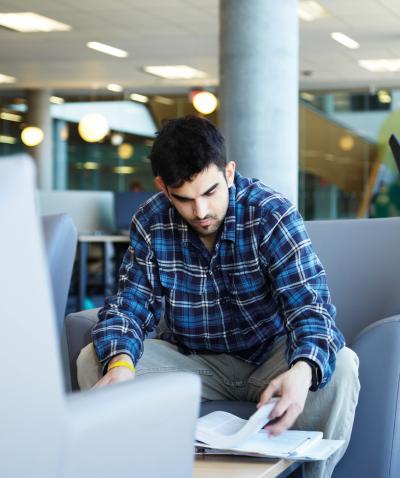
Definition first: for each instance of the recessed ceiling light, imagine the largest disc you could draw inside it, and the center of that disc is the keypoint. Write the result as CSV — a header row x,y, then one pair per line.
x,y
175,72
307,96
163,100
114,87
345,40
309,10
7,139
7,79
91,165
381,65
107,49
124,169
57,100
4,115
140,98
31,22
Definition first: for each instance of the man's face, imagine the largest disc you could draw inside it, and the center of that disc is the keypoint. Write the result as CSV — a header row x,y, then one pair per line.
x,y
203,201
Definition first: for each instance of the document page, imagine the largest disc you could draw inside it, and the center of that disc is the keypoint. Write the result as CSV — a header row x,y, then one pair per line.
x,y
288,443
224,430
291,444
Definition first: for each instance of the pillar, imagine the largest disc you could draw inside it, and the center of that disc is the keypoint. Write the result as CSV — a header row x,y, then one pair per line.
x,y
259,90
39,115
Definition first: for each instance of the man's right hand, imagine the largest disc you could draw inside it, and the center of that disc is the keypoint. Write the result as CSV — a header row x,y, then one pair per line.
x,y
117,374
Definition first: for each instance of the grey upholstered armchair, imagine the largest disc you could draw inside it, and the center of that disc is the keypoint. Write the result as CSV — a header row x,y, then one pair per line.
x,y
45,432
362,260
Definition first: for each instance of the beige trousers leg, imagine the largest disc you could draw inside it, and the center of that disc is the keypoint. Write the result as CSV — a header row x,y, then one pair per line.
x,y
330,410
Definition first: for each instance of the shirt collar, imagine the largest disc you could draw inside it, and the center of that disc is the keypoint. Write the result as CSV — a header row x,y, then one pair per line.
x,y
229,228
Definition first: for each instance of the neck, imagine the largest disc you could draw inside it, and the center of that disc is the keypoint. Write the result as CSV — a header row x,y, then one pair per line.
x,y
209,241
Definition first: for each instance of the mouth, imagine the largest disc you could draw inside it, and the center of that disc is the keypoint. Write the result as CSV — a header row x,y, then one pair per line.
x,y
204,223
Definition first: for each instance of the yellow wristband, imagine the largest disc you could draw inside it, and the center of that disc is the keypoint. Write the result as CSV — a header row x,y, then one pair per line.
x,y
121,363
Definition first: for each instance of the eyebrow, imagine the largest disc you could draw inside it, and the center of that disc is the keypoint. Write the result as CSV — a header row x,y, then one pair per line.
x,y
184,198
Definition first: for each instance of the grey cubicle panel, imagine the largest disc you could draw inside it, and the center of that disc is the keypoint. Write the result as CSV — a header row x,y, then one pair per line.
x,y
90,211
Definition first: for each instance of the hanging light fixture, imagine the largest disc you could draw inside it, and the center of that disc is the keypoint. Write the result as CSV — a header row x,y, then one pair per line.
x,y
125,151
116,139
93,127
346,142
64,133
32,136
204,102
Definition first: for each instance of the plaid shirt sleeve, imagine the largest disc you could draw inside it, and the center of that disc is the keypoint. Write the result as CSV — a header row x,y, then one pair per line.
x,y
136,308
301,290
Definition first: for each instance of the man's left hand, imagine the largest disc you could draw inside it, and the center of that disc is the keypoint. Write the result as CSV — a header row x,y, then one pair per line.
x,y
292,388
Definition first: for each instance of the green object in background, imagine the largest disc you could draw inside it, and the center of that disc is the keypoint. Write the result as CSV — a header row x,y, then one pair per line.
x,y
389,126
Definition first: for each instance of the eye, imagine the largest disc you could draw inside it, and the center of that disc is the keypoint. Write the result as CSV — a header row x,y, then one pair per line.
x,y
210,193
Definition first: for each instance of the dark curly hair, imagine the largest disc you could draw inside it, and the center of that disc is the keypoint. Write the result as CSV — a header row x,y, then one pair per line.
x,y
184,147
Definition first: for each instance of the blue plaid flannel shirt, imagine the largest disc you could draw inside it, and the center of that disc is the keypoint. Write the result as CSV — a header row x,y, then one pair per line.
x,y
263,280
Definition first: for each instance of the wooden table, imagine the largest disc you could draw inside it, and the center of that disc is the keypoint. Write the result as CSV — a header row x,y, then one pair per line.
x,y
245,467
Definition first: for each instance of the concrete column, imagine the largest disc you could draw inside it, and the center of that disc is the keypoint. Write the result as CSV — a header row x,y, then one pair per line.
x,y
60,143
39,115
329,104
395,100
259,89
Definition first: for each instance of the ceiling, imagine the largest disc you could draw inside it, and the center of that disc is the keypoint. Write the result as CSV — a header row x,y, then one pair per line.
x,y
157,32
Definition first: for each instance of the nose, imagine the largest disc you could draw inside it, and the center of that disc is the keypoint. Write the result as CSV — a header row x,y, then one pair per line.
x,y
200,208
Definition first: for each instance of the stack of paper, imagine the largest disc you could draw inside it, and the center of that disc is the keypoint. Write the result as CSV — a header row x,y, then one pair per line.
x,y
222,432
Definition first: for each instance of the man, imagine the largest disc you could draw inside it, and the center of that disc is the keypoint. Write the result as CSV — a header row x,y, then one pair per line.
x,y
246,300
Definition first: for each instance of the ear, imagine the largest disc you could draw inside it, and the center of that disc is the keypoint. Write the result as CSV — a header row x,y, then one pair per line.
x,y
230,173
159,183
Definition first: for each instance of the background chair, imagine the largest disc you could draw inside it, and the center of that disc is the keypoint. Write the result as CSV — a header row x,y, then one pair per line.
x,y
362,260
45,432
60,237
60,240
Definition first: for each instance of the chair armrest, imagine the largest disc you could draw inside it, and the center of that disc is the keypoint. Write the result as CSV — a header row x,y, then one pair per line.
x,y
60,237
78,327
78,333
117,430
375,440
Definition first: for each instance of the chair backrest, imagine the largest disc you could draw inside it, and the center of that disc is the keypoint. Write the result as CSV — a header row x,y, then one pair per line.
x,y
375,440
362,261
32,408
60,238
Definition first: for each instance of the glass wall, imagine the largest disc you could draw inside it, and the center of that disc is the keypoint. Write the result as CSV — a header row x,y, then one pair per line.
x,y
117,162
10,124
346,167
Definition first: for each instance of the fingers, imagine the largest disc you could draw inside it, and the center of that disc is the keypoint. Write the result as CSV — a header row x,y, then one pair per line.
x,y
272,389
280,408
283,423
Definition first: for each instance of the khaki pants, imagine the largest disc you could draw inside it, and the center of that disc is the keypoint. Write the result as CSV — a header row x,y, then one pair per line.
x,y
330,410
